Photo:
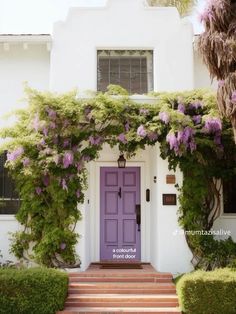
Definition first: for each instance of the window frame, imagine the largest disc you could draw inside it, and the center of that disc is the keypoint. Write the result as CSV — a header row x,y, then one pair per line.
x,y
14,198
148,54
223,213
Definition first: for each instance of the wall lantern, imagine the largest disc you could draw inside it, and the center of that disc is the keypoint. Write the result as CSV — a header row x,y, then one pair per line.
x,y
121,161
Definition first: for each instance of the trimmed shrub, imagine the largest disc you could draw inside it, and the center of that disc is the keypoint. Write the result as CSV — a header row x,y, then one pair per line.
x,y
212,292
32,291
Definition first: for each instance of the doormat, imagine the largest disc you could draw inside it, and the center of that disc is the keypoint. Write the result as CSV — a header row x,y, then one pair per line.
x,y
120,265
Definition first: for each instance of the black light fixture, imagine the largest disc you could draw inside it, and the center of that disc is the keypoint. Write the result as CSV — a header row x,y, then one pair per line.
x,y
121,161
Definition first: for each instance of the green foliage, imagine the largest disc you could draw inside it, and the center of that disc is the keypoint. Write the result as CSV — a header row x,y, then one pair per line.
x,y
32,291
183,6
212,292
116,90
55,137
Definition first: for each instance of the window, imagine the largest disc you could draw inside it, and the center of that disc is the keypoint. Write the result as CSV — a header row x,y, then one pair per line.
x,y
229,196
9,201
131,69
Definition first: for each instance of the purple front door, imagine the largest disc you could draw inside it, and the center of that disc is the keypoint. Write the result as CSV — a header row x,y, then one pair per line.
x,y
120,236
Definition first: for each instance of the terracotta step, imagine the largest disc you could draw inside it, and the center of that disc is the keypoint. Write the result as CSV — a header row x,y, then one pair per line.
x,y
120,279
120,273
119,310
121,288
115,300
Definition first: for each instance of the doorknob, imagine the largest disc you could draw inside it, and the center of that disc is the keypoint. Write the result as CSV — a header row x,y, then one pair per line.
x,y
138,215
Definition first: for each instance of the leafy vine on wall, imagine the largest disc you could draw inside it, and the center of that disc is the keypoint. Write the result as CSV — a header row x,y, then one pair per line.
x,y
57,135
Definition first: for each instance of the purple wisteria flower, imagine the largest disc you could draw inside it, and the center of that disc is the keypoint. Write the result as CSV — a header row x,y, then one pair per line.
x,y
192,145
233,97
195,105
66,123
86,158
55,140
144,111
52,125
152,136
141,131
185,135
217,138
36,122
63,246
45,131
121,137
172,140
68,159
46,180
164,116
182,141
78,193
127,126
15,154
42,142
197,119
213,125
26,161
38,190
181,108
87,111
80,166
74,148
51,113
64,185
95,140
66,143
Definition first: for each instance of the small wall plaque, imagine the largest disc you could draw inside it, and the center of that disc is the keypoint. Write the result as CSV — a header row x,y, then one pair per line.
x,y
169,199
170,179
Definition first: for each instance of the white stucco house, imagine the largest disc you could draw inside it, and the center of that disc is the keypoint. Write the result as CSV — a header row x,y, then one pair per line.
x,y
142,48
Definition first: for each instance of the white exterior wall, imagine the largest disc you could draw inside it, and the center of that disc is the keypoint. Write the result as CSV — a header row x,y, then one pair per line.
x,y
121,24
18,64
201,74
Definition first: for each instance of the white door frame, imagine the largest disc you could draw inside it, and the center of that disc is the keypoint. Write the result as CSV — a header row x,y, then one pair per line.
x,y
94,197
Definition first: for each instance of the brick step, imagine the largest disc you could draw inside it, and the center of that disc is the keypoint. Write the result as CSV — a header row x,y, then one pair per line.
x,y
120,274
119,310
121,288
115,300
120,279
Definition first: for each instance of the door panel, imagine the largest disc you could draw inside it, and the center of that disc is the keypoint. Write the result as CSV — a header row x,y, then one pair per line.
x,y
120,238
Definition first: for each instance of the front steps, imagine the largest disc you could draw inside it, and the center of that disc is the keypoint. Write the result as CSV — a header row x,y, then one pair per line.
x,y
121,291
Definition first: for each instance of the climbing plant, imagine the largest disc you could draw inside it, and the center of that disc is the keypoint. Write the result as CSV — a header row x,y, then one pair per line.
x,y
183,6
57,135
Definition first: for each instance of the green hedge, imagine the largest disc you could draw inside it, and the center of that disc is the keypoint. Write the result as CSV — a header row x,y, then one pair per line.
x,y
32,291
212,292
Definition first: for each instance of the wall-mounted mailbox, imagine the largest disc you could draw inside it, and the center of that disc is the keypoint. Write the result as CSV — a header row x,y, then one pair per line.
x,y
169,199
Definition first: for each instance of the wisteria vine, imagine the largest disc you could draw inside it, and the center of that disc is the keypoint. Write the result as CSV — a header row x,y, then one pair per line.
x,y
57,135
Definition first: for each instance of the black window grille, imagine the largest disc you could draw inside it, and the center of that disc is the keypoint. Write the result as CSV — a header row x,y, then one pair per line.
x,y
9,199
229,196
131,69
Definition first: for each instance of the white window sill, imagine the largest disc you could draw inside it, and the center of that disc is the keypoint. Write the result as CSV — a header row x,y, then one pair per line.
x,y
228,216
7,218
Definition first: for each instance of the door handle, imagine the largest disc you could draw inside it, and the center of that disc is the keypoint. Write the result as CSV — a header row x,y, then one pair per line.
x,y
119,193
138,215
